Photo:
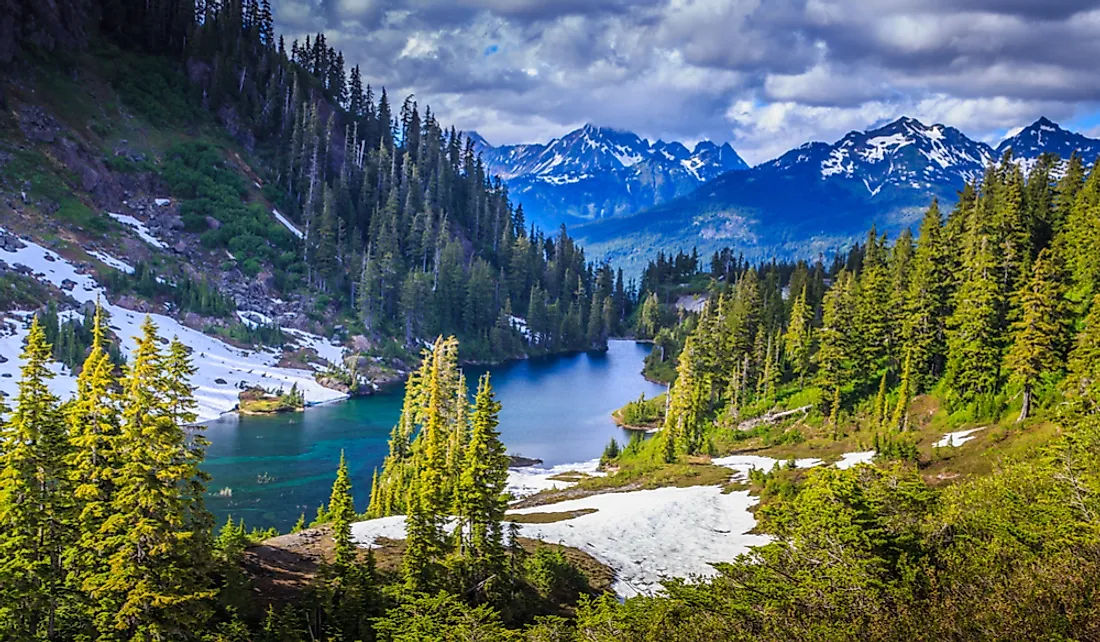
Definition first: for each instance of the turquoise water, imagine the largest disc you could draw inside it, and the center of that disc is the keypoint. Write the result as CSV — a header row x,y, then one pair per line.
x,y
555,408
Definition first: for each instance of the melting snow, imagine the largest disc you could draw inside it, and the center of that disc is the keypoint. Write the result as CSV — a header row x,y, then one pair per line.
x,y
847,460
529,480
290,226
879,146
955,439
643,535
139,227
214,359
118,264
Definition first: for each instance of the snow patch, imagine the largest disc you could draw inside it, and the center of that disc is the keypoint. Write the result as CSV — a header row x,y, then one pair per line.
x,y
529,480
956,439
222,369
644,535
742,464
139,227
288,225
161,202
118,264
848,460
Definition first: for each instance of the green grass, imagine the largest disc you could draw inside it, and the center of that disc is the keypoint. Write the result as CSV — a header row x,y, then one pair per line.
x,y
547,518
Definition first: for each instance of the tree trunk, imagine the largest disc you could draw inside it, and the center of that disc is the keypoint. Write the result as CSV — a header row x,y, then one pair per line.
x,y
1025,409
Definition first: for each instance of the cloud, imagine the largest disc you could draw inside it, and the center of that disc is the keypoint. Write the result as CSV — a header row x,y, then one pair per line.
x,y
763,74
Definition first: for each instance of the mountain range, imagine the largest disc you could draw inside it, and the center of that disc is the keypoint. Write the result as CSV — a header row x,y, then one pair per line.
x,y
594,173
817,197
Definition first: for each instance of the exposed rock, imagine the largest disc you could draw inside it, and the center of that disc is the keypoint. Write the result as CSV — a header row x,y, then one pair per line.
x,y
133,303
360,343
68,285
213,223
11,243
517,461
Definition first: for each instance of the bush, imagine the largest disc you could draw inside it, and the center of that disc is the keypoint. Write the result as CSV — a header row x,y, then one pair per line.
x,y
554,577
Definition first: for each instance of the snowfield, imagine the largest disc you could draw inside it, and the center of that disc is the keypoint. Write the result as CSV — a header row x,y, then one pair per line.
x,y
645,535
222,369
529,480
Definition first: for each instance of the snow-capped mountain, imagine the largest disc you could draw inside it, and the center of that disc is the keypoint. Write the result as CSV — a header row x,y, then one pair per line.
x,y
1047,137
905,153
820,196
598,172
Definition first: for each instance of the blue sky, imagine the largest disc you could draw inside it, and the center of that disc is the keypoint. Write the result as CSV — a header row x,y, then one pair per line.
x,y
765,75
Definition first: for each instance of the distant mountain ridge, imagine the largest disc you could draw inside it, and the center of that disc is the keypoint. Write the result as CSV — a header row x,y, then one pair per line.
x,y
598,172
820,196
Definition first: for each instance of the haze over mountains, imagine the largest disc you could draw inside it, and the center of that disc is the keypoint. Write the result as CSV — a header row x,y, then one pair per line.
x,y
634,198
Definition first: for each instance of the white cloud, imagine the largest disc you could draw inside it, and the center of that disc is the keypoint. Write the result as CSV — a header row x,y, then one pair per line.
x,y
764,74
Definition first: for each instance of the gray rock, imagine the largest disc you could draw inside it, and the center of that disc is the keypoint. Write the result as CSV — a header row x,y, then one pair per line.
x,y
213,223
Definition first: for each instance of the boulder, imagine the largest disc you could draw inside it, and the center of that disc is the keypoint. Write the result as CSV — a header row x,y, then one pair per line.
x,y
133,303
213,223
360,343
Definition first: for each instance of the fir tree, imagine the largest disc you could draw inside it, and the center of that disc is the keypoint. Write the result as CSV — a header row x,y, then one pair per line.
x,y
479,500
152,538
1039,333
93,419
923,324
800,336
1082,385
341,513
900,419
35,500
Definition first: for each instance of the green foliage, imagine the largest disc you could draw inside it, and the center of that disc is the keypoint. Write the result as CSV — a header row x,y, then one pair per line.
x,y
210,188
186,294
553,576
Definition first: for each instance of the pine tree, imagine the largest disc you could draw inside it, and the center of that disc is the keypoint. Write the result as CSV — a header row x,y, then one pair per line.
x,y
684,420
93,420
341,512
923,325
1039,333
975,328
800,336
153,538
835,356
880,403
35,501
1082,385
479,500
900,419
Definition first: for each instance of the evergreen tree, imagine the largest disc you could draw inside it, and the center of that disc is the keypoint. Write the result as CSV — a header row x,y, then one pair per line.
x,y
157,587
341,513
35,501
800,336
479,500
93,420
923,324
975,328
1039,333
900,419
1082,385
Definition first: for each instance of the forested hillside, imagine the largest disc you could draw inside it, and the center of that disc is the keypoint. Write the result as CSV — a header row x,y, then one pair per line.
x,y
988,307
275,154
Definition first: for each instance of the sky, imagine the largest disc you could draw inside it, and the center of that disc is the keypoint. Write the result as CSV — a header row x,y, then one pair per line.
x,y
764,75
